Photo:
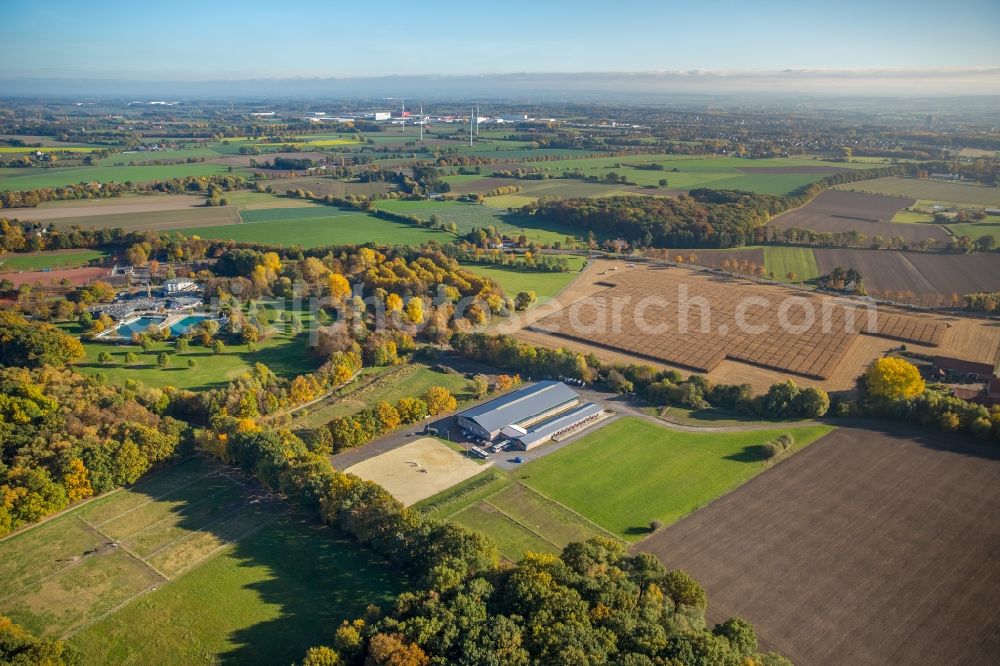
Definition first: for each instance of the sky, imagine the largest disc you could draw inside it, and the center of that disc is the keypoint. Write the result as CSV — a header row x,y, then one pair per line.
x,y
252,39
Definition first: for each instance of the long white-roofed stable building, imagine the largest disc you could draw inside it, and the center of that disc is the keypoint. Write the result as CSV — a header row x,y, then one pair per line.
x,y
530,415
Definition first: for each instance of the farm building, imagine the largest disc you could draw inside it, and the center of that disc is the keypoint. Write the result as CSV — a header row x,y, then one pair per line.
x,y
530,415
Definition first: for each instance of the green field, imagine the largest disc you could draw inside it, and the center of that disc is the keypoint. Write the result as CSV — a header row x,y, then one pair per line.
x,y
632,471
514,280
59,177
692,172
988,227
969,194
152,156
912,217
469,216
285,354
518,518
35,261
291,213
192,565
334,228
799,260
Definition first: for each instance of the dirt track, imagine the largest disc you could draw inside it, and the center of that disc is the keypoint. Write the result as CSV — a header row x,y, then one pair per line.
x,y
865,548
837,211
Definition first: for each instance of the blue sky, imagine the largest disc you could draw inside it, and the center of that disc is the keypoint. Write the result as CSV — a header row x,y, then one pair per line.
x,y
184,40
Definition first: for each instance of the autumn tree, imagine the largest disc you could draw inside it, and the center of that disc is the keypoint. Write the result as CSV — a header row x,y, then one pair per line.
x,y
77,481
415,310
891,378
338,286
439,400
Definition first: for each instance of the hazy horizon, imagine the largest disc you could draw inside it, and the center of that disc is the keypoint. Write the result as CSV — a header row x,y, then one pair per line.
x,y
720,46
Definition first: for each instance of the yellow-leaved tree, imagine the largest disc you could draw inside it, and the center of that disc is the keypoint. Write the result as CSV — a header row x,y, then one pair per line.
x,y
415,310
340,288
439,400
77,481
393,303
892,378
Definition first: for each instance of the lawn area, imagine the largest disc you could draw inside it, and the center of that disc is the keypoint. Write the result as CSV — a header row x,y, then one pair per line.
x,y
35,261
513,280
192,565
285,354
468,216
783,260
58,177
334,228
632,471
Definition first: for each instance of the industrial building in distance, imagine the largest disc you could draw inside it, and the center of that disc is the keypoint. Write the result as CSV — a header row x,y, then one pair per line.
x,y
530,415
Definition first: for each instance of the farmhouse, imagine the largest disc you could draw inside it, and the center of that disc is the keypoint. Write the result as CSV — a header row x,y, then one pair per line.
x,y
531,415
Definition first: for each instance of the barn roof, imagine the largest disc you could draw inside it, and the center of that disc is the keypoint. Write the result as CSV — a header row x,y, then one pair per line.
x,y
521,404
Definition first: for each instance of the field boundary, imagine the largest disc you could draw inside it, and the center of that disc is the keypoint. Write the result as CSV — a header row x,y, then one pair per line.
x,y
586,521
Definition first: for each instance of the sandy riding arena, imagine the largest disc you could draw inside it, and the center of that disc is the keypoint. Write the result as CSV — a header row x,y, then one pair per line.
x,y
417,470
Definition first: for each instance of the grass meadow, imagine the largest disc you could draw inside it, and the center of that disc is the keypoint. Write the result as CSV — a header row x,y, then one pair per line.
x,y
988,227
468,216
518,518
295,226
60,177
969,194
195,564
36,261
693,172
543,283
784,260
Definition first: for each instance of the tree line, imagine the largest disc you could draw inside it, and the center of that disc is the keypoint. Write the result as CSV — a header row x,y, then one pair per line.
x,y
656,387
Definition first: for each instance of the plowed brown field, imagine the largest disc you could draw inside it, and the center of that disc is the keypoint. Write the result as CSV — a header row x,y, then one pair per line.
x,y
864,548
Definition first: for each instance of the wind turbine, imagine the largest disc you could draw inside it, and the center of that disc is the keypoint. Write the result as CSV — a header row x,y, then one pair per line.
x,y
472,119
421,121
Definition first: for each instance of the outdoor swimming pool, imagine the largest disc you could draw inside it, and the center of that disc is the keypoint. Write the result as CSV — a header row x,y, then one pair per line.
x,y
138,325
177,326
182,326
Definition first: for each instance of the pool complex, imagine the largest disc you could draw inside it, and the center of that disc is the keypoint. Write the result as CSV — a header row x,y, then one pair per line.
x,y
178,325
